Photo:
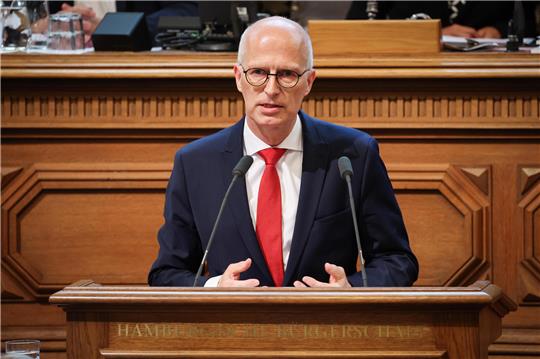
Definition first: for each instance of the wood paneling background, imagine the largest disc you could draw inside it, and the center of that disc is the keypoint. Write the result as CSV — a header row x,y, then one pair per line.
x,y
88,144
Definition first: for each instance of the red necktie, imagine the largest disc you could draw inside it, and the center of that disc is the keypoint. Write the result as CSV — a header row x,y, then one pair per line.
x,y
269,222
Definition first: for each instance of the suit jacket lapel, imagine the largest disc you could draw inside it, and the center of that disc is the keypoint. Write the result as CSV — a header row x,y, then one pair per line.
x,y
238,201
314,166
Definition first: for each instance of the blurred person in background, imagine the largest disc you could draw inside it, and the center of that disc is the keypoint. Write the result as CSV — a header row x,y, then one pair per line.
x,y
471,19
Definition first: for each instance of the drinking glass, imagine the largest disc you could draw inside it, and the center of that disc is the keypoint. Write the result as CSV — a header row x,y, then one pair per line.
x,y
15,26
38,15
66,32
22,349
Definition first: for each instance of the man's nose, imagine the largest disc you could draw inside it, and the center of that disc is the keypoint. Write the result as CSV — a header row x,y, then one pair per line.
x,y
272,87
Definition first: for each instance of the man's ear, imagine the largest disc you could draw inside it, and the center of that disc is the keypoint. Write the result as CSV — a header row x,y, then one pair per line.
x,y
311,78
238,77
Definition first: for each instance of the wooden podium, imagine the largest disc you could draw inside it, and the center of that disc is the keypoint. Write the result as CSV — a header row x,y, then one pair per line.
x,y
146,322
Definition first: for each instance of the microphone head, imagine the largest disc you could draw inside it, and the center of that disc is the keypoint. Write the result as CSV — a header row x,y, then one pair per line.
x,y
242,166
345,167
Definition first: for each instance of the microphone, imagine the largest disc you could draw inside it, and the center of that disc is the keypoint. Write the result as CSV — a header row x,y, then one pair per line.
x,y
346,171
372,8
238,171
516,28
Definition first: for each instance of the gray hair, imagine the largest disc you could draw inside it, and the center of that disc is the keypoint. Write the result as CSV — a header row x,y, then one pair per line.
x,y
277,20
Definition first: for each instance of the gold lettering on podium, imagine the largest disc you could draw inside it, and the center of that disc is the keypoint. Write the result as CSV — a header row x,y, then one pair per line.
x,y
336,331
137,330
151,330
254,331
123,329
396,331
285,331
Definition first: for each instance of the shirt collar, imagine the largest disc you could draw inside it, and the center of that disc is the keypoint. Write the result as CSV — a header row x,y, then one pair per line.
x,y
253,144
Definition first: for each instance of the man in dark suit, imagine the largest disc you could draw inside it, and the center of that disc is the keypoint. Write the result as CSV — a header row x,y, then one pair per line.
x,y
289,222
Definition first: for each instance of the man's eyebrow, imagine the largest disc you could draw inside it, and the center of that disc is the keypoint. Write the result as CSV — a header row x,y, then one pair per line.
x,y
267,68
279,69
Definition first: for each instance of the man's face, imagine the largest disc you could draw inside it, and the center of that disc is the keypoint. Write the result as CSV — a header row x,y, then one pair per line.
x,y
272,109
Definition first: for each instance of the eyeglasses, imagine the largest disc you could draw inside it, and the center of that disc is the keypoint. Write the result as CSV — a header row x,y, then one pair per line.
x,y
285,78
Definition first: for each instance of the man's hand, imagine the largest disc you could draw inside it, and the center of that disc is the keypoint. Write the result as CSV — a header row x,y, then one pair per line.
x,y
488,32
338,278
231,276
90,21
459,30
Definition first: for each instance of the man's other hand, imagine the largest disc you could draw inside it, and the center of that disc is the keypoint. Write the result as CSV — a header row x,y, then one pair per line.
x,y
231,276
459,30
90,21
488,32
338,278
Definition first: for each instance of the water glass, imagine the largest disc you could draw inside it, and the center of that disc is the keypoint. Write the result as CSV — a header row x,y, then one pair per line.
x,y
38,15
22,349
15,26
66,32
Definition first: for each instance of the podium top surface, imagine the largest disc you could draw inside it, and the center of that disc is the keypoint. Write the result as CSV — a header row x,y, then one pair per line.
x,y
87,292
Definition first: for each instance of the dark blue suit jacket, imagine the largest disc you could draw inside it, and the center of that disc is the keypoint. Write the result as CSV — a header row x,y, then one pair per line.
x,y
323,229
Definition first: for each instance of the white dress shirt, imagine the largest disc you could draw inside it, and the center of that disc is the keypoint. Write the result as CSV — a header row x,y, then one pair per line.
x,y
289,169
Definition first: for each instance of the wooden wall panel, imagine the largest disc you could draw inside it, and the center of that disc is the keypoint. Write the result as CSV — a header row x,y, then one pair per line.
x,y
447,218
98,219
530,261
448,249
84,168
107,235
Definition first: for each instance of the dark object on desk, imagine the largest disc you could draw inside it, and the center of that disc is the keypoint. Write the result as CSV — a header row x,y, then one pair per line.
x,y
513,43
179,23
516,25
218,28
178,31
372,8
516,28
122,31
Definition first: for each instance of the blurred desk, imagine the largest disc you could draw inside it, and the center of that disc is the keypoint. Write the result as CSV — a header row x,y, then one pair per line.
x,y
88,143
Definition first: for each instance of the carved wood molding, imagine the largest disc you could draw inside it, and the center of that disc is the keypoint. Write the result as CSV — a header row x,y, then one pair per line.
x,y
517,342
454,111
528,176
218,111
52,338
12,289
469,198
529,188
9,296
20,196
8,173
480,177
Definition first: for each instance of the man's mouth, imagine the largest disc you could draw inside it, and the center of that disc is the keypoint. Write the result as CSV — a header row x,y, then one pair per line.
x,y
270,105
